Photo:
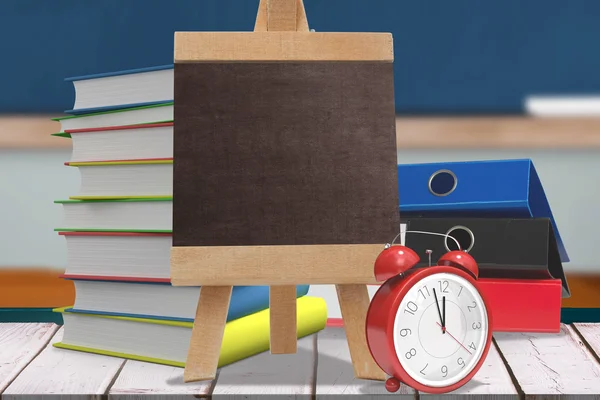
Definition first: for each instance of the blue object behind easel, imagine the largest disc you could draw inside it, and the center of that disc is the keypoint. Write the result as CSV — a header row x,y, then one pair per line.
x,y
505,188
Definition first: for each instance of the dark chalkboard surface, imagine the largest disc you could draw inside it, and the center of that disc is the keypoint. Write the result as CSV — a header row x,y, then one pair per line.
x,y
461,56
257,171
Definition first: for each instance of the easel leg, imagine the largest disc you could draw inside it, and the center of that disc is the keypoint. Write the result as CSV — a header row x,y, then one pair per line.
x,y
282,305
354,304
207,334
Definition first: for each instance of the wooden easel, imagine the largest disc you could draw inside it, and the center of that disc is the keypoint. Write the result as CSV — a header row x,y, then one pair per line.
x,y
216,269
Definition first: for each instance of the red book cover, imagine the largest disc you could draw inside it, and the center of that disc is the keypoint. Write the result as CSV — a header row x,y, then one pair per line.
x,y
119,128
109,277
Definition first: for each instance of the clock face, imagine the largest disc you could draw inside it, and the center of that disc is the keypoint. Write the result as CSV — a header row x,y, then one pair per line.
x,y
432,355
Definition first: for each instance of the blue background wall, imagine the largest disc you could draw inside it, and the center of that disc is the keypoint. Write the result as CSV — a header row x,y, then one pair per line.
x,y
460,56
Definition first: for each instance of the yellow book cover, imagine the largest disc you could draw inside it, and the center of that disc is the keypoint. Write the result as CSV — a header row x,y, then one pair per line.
x,y
83,164
119,162
243,337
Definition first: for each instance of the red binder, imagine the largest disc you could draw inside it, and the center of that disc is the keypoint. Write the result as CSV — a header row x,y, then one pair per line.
x,y
523,305
517,305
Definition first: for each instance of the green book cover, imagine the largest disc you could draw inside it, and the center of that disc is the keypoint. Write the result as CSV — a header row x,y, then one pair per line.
x,y
113,200
67,135
112,111
75,201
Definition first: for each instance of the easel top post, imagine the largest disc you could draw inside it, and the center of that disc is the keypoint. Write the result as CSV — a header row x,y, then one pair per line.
x,y
281,34
281,15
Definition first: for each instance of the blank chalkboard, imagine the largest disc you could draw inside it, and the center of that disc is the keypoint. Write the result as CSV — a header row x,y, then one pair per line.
x,y
462,56
254,170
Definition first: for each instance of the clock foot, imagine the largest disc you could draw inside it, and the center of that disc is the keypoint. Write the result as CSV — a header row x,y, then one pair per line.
x,y
392,385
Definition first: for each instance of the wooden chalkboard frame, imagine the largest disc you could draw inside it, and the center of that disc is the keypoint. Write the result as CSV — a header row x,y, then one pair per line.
x,y
281,33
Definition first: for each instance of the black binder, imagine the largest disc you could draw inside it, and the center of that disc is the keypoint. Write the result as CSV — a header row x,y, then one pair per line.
x,y
509,248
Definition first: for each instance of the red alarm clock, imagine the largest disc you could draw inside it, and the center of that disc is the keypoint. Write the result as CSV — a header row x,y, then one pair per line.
x,y
428,327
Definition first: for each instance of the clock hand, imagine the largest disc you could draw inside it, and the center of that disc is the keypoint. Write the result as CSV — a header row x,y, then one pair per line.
x,y
456,340
437,304
444,313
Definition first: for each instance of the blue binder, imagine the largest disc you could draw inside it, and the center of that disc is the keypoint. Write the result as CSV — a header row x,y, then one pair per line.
x,y
503,188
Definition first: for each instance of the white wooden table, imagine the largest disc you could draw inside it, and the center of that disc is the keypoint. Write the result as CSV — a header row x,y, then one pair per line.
x,y
519,365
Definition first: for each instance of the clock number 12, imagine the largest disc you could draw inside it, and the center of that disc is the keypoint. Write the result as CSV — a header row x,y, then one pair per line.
x,y
443,286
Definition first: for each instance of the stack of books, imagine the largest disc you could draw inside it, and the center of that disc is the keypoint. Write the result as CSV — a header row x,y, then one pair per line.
x,y
118,231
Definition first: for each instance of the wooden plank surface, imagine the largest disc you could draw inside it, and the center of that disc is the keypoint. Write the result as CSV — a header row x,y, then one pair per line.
x,y
282,375
19,344
542,364
161,381
65,372
492,379
591,334
335,373
551,364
